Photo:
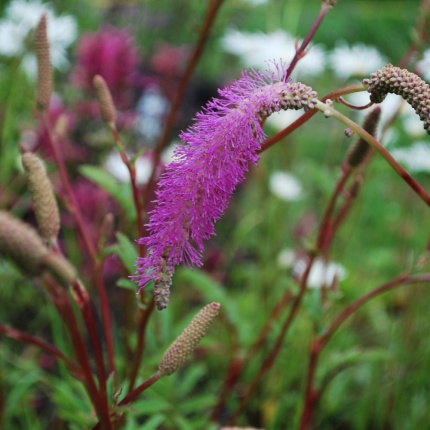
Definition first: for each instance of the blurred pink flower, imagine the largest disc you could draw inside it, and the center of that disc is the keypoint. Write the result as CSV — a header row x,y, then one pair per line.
x,y
111,53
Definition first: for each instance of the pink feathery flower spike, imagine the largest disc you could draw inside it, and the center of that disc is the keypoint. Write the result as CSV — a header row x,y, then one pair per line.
x,y
196,187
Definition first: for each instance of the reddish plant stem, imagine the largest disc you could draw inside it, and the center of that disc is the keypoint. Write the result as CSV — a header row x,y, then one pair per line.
x,y
135,190
21,336
65,310
301,50
312,395
211,13
130,397
82,300
141,341
334,95
238,366
89,245
271,358
381,150
326,228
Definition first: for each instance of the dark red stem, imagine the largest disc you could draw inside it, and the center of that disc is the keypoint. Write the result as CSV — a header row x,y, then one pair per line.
x,y
21,336
301,50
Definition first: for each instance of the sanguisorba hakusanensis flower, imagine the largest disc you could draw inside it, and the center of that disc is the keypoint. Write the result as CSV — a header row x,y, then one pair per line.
x,y
196,187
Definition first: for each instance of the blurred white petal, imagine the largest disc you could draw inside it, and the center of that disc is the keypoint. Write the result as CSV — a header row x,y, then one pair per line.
x,y
285,186
256,49
357,60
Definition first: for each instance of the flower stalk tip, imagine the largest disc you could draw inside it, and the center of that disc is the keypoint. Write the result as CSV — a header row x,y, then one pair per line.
x,y
186,342
20,243
45,204
104,100
44,68
408,85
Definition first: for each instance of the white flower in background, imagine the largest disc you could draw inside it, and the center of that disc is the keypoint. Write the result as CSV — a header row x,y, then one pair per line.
x,y
416,158
17,32
357,60
286,258
423,66
151,109
116,167
285,186
322,273
256,49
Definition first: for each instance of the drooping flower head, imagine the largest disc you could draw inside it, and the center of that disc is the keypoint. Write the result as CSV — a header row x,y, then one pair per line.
x,y
196,187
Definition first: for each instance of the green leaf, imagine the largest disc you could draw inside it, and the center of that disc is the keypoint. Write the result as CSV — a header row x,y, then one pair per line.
x,y
153,423
125,250
212,291
127,284
120,192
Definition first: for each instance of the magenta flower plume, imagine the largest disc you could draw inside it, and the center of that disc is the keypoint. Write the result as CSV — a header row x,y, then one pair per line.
x,y
196,187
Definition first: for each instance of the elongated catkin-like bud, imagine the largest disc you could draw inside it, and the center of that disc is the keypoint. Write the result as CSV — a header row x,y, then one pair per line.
x,y
187,341
361,148
44,68
60,268
104,99
20,243
45,205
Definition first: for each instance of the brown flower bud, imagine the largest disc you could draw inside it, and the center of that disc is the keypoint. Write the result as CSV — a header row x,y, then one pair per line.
x,y
187,341
398,81
59,268
21,243
44,69
45,205
104,99
361,148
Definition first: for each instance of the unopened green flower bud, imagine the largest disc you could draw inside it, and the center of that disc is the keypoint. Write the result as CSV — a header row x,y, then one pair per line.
x,y
187,341
399,81
45,205
20,243
44,68
104,99
361,148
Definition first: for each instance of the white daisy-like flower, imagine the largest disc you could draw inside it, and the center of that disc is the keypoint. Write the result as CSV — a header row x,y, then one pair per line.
x,y
416,158
255,49
17,32
423,66
322,273
285,186
357,60
116,167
